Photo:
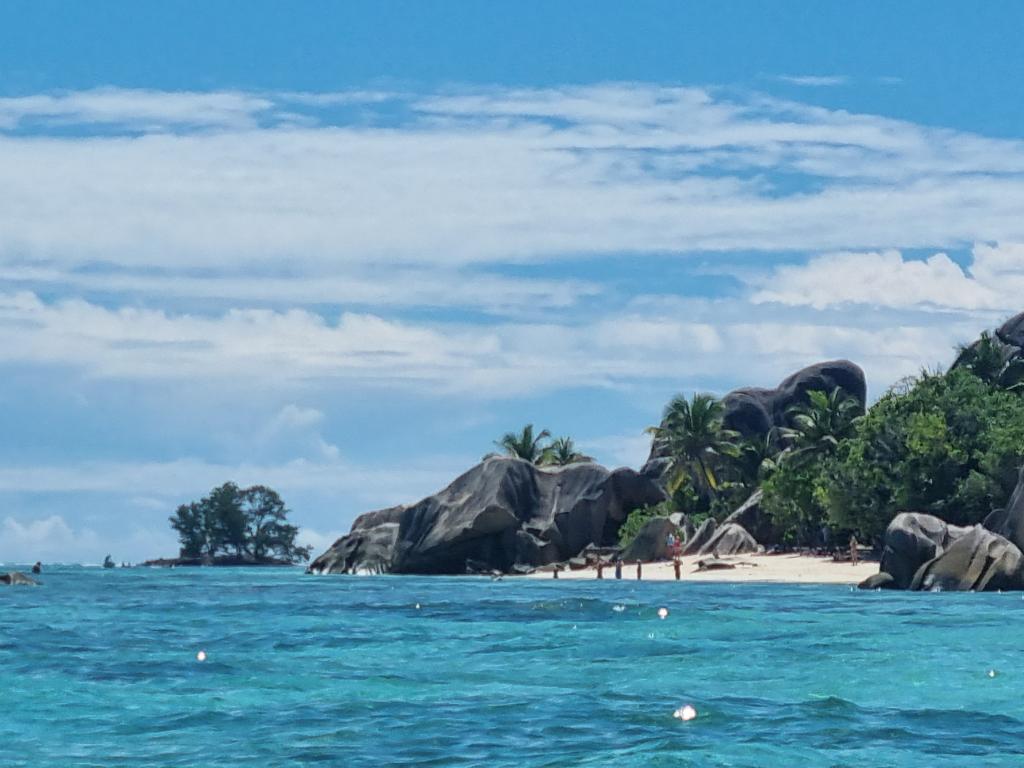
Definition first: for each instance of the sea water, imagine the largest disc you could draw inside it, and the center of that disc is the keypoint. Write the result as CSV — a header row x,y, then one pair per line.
x,y
99,668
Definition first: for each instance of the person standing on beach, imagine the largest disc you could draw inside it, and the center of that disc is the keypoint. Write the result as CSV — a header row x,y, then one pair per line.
x,y
676,566
670,543
639,570
854,554
618,569
600,569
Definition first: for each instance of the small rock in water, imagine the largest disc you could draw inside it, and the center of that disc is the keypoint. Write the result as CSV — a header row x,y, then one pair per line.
x,y
685,713
201,656
662,613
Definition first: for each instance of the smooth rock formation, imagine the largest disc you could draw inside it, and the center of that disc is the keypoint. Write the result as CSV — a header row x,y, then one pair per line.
x,y
924,553
504,513
753,519
911,540
14,578
651,543
754,411
1009,522
730,539
977,561
1012,331
701,536
880,580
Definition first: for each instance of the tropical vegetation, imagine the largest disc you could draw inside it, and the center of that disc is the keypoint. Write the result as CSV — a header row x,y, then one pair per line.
x,y
250,524
531,447
949,444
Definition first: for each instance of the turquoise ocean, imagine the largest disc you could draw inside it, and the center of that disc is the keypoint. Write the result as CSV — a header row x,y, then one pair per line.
x,y
99,668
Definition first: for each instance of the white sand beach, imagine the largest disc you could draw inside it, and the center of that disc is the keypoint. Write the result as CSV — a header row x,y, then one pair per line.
x,y
788,568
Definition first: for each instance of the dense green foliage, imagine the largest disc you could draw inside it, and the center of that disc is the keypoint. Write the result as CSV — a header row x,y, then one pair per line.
x,y
246,522
631,527
692,433
560,452
530,447
525,444
949,445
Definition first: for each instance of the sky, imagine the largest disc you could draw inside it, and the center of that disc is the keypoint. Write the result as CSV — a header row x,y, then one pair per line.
x,y
340,248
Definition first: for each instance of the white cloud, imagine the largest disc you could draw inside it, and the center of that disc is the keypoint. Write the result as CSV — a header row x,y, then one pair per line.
x,y
491,176
52,539
993,281
399,287
814,81
181,479
294,416
136,108
723,341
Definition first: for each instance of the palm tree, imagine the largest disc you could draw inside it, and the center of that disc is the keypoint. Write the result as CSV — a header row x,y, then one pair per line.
x,y
758,456
693,436
993,362
524,445
562,451
819,424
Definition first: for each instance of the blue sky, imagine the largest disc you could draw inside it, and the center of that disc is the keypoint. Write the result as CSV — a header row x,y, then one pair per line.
x,y
340,249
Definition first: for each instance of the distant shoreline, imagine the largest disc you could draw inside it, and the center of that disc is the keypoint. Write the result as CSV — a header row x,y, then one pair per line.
x,y
221,561
779,569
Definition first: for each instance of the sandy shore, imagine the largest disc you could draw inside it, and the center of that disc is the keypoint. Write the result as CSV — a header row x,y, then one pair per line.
x,y
789,569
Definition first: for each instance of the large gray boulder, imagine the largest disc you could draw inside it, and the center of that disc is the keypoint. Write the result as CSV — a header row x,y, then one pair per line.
x,y
651,542
16,579
754,411
911,540
1009,522
977,561
1012,331
753,518
730,539
704,533
504,514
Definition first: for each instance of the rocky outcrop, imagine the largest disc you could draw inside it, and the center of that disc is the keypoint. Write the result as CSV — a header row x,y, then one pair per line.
x,y
1012,332
14,579
911,540
1009,522
753,518
651,542
880,580
704,533
923,553
754,411
977,561
730,539
504,514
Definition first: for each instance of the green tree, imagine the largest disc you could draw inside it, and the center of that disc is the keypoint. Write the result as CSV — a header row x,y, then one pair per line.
x,y
756,458
560,452
949,445
524,445
820,423
267,531
245,521
993,362
636,519
189,522
692,434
